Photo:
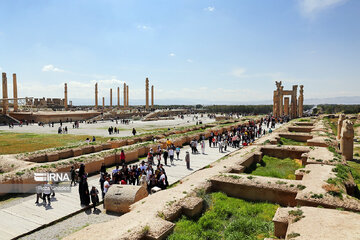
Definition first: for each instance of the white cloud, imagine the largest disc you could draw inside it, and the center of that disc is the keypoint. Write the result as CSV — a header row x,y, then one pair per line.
x,y
238,72
189,60
311,7
143,27
51,68
210,9
172,54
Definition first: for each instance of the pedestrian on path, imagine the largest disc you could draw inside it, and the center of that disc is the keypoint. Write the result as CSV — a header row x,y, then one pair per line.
x,y
187,160
38,193
94,196
203,147
171,155
165,155
47,192
177,152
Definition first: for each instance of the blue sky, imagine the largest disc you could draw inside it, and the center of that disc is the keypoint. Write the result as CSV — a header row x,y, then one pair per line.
x,y
200,51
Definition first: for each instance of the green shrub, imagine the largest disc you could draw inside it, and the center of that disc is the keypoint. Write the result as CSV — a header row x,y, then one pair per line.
x,y
228,218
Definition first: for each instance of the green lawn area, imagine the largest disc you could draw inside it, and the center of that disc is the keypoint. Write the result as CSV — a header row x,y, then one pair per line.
x,y
304,120
287,141
333,124
228,218
355,171
276,167
11,143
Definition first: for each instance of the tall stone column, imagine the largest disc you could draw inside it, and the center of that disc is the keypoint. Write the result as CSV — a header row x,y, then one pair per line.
x,y
96,96
294,102
347,140
118,97
281,101
110,98
127,95
286,106
339,126
147,94
15,93
275,103
103,102
5,93
124,95
152,96
301,101
65,97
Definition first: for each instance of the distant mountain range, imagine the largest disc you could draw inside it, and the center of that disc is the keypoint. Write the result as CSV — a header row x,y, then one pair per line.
x,y
311,101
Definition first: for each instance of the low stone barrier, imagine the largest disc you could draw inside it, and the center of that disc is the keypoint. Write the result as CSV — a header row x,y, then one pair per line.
x,y
87,149
76,152
306,129
37,158
256,188
106,146
52,157
66,153
97,148
131,155
120,197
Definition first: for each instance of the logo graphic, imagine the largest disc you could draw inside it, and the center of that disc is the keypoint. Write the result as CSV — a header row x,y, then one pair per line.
x,y
52,177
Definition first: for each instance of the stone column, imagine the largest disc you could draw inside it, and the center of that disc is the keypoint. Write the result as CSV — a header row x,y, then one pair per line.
x,y
339,126
127,95
110,98
286,106
301,101
347,140
103,103
152,96
15,93
96,96
124,95
281,101
147,94
275,103
66,98
294,102
5,93
118,97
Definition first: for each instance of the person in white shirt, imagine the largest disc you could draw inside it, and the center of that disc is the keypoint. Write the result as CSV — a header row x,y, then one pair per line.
x,y
47,191
106,185
171,155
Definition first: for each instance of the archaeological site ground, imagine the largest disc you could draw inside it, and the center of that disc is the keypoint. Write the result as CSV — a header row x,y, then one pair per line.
x,y
180,120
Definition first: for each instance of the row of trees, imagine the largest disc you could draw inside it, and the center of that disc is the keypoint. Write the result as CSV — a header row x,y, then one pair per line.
x,y
337,108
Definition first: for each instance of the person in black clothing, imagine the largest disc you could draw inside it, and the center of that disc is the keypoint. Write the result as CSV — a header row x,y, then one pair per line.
x,y
134,131
83,186
165,155
94,196
102,181
103,168
73,175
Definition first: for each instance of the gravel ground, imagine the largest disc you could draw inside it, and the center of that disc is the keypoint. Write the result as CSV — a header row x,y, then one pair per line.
x,y
100,128
72,224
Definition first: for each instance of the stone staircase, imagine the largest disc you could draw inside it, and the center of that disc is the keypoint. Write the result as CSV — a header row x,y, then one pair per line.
x,y
5,119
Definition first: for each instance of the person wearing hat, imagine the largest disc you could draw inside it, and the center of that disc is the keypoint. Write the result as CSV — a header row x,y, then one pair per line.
x,y
187,160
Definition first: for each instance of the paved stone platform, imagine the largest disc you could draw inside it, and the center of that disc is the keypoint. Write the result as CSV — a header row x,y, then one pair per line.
x,y
25,216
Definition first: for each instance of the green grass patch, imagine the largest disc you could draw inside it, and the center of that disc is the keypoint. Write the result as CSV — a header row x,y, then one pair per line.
x,y
275,167
228,218
11,142
287,141
332,123
304,120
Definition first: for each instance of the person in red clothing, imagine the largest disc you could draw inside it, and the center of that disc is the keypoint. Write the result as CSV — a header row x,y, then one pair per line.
x,y
122,157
